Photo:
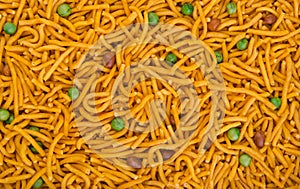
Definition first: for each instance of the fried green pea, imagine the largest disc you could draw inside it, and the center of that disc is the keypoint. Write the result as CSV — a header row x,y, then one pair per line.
x,y
171,59
187,9
10,119
231,8
242,44
219,56
276,101
233,134
10,28
38,183
64,10
118,124
73,93
34,150
245,160
4,114
153,18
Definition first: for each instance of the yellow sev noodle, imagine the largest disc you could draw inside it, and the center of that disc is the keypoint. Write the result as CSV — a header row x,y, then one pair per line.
x,y
46,50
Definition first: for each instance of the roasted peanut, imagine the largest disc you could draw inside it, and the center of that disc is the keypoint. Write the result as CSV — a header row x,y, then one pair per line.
x,y
134,162
109,59
270,19
6,70
259,139
167,154
213,24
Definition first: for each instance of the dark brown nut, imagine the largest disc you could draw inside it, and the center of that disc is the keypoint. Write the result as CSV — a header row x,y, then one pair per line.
x,y
270,19
208,144
167,154
134,162
172,120
6,70
259,139
109,59
213,24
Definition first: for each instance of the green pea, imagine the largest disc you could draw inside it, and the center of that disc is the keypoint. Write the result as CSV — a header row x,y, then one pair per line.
x,y
38,183
153,18
233,134
187,9
231,8
242,44
33,128
219,56
245,160
117,124
10,119
276,101
73,93
64,10
34,150
9,28
171,59
4,115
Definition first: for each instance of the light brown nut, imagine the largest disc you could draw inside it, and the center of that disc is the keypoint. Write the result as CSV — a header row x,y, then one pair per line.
x,y
213,24
172,120
270,19
109,59
6,70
